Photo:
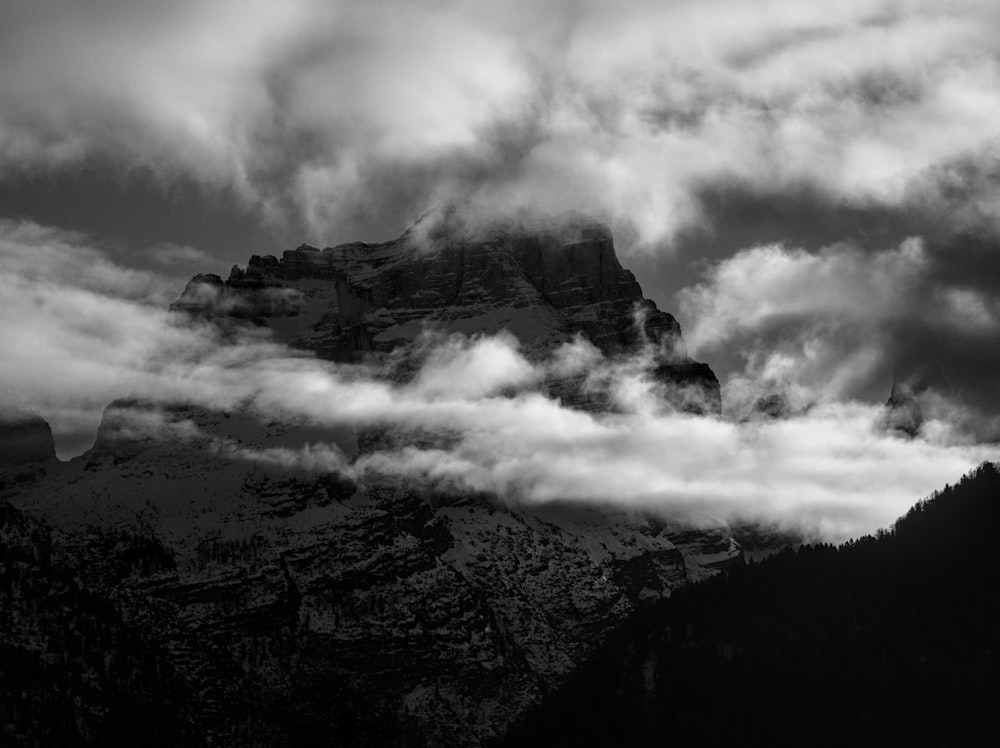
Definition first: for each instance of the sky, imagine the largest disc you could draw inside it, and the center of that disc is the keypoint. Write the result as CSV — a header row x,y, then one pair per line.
x,y
810,187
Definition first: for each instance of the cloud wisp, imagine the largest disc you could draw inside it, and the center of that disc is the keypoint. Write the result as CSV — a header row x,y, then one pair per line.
x,y
87,334
340,116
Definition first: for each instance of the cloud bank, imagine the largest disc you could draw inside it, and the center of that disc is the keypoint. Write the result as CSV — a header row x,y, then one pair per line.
x,y
90,331
844,322
341,116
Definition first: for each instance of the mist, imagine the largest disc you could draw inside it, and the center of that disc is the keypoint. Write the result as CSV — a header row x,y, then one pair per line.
x,y
92,332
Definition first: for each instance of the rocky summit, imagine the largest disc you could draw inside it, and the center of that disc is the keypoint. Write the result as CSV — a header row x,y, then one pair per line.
x,y
163,590
542,279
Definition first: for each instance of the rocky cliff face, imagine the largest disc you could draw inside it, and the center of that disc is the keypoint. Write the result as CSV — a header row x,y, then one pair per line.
x,y
542,279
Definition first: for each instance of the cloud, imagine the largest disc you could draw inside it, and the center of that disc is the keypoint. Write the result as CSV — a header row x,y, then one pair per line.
x,y
78,329
177,256
831,472
472,369
59,257
340,117
763,285
468,420
843,321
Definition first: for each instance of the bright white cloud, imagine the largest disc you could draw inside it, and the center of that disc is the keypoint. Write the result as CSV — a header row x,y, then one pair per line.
x,y
474,368
767,284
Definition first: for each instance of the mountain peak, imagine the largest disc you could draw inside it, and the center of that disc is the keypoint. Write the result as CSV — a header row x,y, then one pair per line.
x,y
460,269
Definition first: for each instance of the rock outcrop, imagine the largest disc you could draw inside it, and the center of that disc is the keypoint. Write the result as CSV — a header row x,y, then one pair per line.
x,y
25,437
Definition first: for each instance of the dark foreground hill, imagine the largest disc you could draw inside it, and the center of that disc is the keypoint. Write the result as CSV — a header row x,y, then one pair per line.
x,y
891,640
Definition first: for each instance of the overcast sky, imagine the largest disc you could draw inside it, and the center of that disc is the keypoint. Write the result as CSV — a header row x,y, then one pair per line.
x,y
810,187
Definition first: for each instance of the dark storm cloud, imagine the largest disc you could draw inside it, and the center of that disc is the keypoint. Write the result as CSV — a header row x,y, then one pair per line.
x,y
346,117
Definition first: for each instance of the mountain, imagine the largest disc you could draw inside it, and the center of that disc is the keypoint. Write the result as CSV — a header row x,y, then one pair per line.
x,y
891,639
163,589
